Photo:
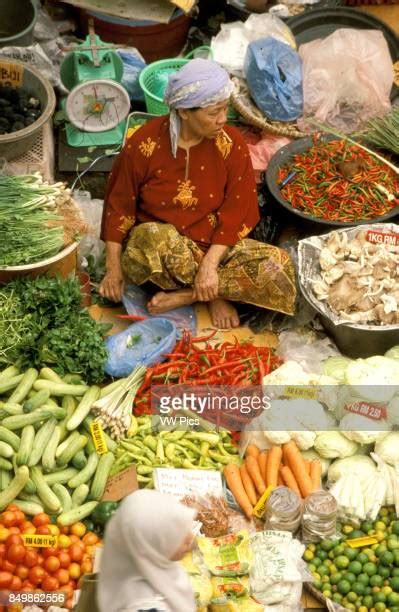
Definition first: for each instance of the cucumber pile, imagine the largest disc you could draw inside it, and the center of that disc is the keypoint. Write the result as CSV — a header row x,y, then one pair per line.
x,y
48,461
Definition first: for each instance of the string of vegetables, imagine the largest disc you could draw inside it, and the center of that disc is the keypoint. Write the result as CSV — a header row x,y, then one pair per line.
x,y
383,132
320,190
226,363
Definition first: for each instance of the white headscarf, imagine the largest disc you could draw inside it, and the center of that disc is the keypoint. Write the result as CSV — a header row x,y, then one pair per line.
x,y
136,571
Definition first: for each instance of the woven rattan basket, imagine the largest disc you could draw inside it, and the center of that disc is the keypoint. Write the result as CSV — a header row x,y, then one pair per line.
x,y
244,105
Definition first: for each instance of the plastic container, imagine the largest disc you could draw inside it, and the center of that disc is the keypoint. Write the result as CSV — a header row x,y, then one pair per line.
x,y
155,41
283,158
18,19
283,510
319,520
63,263
17,143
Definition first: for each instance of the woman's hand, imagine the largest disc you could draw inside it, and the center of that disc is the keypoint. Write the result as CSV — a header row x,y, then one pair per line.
x,y
112,286
206,282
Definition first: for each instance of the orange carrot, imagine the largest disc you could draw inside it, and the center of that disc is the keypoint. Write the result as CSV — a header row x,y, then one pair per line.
x,y
280,480
273,464
233,478
248,485
254,471
296,463
262,461
307,463
315,474
252,450
289,480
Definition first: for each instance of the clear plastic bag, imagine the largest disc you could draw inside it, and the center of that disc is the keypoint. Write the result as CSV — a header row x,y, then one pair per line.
x,y
306,348
273,71
142,343
347,78
91,245
135,301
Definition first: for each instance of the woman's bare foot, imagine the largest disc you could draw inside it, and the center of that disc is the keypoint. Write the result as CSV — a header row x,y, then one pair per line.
x,y
164,301
223,314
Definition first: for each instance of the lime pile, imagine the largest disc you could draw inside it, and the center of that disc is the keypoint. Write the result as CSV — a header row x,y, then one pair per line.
x,y
365,579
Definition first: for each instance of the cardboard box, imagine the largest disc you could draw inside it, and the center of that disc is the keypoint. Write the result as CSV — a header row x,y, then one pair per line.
x,y
153,10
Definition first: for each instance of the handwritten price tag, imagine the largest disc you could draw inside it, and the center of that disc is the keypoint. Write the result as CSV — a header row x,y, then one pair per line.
x,y
310,393
98,436
383,238
40,541
11,74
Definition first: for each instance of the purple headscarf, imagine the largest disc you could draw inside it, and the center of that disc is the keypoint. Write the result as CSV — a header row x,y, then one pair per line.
x,y
198,84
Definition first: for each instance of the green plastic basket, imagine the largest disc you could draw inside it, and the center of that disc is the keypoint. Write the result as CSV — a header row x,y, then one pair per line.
x,y
153,80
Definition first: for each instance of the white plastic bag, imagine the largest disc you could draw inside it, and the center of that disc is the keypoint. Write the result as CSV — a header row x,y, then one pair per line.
x,y
92,210
347,78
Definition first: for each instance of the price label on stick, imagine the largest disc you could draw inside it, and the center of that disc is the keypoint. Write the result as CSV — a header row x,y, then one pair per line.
x,y
40,541
98,436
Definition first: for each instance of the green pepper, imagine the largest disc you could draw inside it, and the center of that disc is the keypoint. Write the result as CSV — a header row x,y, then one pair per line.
x,y
103,512
89,524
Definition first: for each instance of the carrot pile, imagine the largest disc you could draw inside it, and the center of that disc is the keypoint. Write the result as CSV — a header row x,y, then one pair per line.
x,y
226,363
280,465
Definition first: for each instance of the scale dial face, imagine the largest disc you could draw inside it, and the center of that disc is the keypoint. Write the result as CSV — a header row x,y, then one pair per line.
x,y
97,106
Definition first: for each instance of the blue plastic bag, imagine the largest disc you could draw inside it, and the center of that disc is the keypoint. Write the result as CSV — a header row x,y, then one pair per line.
x,y
142,343
133,64
273,71
135,301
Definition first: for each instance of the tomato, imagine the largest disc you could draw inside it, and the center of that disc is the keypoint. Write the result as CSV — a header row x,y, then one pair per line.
x,y
74,570
27,586
29,530
43,530
5,580
78,529
16,584
14,538
50,552
75,552
90,539
41,519
54,530
12,507
64,541
86,567
7,566
27,524
31,557
19,517
51,564
67,589
69,603
4,533
74,539
36,574
16,553
50,583
64,530
8,518
22,571
40,559
62,576
14,530
65,559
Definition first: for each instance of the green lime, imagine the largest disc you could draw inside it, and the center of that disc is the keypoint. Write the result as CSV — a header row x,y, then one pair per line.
x,y
327,593
392,517
335,578
393,599
387,558
394,583
363,578
358,588
395,572
341,562
368,601
351,596
316,561
327,545
395,609
318,584
337,597
395,527
380,550
379,597
384,571
351,553
323,570
349,577
356,533
355,567
362,558
366,526
322,554
376,580
393,544
380,607
308,555
343,587
339,550
370,568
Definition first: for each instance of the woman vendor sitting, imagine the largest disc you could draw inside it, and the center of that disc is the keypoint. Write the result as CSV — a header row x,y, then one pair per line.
x,y
181,200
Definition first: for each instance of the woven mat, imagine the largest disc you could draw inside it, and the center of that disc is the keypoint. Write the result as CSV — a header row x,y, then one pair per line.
x,y
244,105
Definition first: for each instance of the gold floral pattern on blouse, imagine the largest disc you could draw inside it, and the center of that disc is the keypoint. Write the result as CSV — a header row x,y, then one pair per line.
x,y
244,231
185,195
147,147
126,223
224,143
212,219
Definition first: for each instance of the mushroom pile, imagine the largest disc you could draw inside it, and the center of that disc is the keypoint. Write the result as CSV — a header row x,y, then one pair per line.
x,y
359,279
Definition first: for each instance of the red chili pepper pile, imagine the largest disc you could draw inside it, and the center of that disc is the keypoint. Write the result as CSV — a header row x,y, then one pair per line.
x,y
227,363
319,190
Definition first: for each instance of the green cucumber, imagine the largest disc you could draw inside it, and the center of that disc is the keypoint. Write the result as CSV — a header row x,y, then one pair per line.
x,y
8,436
15,487
76,514
49,374
63,495
40,398
5,464
30,487
42,439
68,453
19,394
10,383
9,372
79,495
101,476
66,443
48,457
30,508
6,450
48,497
85,475
12,409
69,404
20,421
83,408
62,476
60,389
5,479
79,460
26,446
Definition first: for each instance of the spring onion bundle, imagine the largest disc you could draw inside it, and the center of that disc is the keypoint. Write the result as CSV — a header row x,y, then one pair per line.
x,y
383,132
32,219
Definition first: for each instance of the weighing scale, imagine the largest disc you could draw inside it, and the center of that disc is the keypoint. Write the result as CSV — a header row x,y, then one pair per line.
x,y
97,105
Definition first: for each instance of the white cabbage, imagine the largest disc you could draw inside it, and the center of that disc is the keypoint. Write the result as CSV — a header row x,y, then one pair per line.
x,y
332,444
388,448
375,378
303,439
359,465
363,430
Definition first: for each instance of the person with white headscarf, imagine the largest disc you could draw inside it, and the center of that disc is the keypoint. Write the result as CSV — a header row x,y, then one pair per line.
x,y
180,203
144,540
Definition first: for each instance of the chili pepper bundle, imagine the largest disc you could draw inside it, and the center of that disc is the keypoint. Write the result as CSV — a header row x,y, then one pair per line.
x,y
226,363
320,190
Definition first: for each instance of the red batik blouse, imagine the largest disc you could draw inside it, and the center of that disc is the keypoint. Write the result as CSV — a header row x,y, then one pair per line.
x,y
207,192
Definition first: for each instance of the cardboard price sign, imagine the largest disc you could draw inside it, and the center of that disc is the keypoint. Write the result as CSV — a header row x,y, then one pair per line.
x,y
383,238
121,484
371,411
11,74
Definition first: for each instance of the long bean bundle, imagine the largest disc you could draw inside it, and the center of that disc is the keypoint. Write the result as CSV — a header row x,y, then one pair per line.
x,y
31,228
383,132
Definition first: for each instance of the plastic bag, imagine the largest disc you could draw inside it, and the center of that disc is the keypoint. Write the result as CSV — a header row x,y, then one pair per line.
x,y
34,56
90,245
142,343
274,75
230,45
133,64
135,301
306,348
347,78
262,152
